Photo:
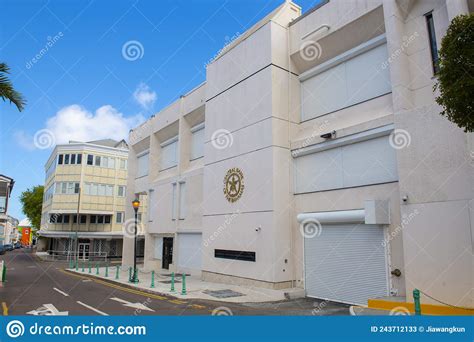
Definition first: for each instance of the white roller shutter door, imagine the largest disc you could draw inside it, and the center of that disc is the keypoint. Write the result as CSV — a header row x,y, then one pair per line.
x,y
346,263
190,251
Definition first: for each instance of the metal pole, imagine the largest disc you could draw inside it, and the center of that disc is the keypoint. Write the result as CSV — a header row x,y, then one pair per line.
x,y
416,300
76,245
135,248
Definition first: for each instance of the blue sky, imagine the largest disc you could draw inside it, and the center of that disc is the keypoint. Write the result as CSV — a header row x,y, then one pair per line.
x,y
67,59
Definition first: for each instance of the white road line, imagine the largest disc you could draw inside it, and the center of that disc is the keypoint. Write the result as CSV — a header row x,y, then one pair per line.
x,y
61,292
92,308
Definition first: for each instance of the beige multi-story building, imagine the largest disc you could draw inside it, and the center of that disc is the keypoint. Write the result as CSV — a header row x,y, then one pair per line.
x,y
314,157
84,198
8,224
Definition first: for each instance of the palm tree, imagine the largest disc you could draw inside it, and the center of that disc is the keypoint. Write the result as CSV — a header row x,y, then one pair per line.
x,y
6,89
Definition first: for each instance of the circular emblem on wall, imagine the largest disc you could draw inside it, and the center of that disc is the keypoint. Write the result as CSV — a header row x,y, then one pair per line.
x,y
233,184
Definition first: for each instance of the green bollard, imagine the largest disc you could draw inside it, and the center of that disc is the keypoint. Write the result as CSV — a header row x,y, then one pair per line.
x,y
416,299
83,265
77,265
152,279
96,269
90,268
135,278
4,274
130,274
71,265
183,289
106,271
172,282
117,272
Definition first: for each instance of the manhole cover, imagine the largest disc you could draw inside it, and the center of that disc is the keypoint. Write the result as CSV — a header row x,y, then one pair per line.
x,y
223,293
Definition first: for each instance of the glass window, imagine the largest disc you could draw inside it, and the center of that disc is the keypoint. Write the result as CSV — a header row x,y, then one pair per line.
x,y
63,187
59,218
139,217
123,164
65,218
66,159
119,217
60,159
74,218
87,189
76,188
110,190
83,219
97,160
101,189
93,219
100,219
94,189
433,43
73,159
111,163
107,218
90,159
79,159
121,191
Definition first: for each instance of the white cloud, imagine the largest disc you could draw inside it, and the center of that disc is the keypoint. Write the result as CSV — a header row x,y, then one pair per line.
x,y
144,96
77,123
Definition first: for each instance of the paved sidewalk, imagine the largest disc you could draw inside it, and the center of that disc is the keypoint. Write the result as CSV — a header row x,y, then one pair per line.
x,y
195,287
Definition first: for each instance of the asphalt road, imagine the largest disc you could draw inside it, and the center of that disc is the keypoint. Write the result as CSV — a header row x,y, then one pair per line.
x,y
39,287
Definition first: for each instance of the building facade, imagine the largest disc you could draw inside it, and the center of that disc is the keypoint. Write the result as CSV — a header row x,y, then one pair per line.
x,y
314,156
84,199
7,223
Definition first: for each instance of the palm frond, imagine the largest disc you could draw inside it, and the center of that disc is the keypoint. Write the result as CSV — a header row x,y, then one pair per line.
x,y
7,92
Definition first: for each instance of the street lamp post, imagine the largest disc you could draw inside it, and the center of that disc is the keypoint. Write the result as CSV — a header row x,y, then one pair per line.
x,y
136,205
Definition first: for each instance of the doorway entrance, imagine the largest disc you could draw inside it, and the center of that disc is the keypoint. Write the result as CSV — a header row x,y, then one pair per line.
x,y
167,252
84,251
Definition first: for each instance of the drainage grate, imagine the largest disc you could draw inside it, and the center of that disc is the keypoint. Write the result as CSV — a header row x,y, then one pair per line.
x,y
223,293
169,281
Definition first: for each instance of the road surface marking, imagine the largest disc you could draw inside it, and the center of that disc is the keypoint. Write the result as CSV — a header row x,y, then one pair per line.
x,y
92,308
5,309
47,310
139,306
177,301
61,292
196,306
30,266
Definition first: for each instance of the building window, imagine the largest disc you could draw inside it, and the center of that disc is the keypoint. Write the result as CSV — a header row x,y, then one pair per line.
x,y
107,218
66,159
90,159
169,153
79,159
182,200
73,159
74,218
97,160
234,255
100,219
173,203
83,219
93,219
197,141
139,217
119,217
121,191
142,161
76,188
432,41
123,164
65,218
60,159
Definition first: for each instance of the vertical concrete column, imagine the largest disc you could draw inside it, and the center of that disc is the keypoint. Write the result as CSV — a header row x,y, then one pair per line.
x,y
399,66
456,7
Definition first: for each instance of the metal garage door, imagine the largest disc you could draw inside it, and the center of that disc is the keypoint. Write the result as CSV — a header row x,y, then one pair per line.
x,y
346,263
189,251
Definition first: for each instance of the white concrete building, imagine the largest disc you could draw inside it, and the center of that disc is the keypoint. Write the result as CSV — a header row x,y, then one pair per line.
x,y
8,224
314,156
